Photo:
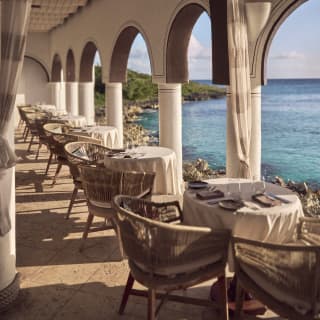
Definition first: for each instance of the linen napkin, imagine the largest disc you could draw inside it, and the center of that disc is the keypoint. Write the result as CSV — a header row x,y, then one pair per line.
x,y
207,194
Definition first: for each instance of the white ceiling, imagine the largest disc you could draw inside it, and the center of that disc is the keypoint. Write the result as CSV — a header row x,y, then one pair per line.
x,y
48,14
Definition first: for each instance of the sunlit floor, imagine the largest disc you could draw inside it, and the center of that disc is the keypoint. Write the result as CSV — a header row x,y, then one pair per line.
x,y
59,282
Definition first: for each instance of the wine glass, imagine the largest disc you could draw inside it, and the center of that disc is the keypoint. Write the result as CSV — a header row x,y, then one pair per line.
x,y
259,187
233,190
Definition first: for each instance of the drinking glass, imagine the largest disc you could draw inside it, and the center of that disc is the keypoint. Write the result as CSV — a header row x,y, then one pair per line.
x,y
259,187
233,190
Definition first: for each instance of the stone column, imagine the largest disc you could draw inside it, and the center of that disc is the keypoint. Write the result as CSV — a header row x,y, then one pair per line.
x,y
170,121
86,101
72,99
58,95
9,280
255,147
114,108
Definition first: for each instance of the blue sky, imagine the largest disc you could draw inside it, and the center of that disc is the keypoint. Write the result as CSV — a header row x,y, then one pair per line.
x,y
294,53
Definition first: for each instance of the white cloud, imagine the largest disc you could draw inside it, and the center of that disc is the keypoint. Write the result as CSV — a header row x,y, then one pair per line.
x,y
197,51
139,60
199,57
292,55
305,67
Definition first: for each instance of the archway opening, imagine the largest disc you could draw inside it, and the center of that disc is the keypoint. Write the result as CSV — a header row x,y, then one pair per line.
x,y
291,99
70,67
33,84
56,70
203,112
90,84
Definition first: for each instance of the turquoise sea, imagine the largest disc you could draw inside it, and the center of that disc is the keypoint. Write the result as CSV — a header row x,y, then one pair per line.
x,y
290,130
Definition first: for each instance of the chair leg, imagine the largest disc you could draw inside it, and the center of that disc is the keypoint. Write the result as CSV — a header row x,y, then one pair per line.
x,y
126,293
24,132
26,136
30,143
151,304
239,301
38,151
73,198
49,162
86,231
223,297
117,231
56,174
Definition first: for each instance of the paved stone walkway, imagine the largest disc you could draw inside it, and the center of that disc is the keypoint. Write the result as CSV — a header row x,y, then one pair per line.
x,y
57,281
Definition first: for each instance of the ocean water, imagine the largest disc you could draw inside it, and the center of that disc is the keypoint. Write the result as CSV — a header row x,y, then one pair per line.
x,y
290,130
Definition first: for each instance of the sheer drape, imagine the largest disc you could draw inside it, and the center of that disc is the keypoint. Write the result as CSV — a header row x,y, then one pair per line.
x,y
14,23
240,88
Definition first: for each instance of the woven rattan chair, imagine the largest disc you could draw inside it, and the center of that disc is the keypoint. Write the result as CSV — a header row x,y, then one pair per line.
x,y
82,153
49,129
60,136
23,111
101,185
168,257
309,230
284,277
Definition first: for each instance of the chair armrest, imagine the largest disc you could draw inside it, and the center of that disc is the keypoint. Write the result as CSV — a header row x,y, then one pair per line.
x,y
308,229
144,194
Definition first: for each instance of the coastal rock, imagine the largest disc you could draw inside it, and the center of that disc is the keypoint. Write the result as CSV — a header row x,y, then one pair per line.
x,y
311,203
300,187
278,180
199,169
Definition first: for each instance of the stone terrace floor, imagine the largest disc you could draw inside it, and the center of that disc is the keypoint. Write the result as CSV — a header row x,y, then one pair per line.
x,y
59,282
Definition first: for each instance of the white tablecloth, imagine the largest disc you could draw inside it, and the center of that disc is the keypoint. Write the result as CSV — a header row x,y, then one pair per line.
x,y
160,160
47,108
109,135
74,121
275,224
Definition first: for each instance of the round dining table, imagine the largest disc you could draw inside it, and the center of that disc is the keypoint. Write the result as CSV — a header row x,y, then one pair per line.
x,y
160,160
72,120
252,220
47,108
108,134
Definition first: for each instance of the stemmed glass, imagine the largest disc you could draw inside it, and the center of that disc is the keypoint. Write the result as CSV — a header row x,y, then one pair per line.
x,y
233,190
259,187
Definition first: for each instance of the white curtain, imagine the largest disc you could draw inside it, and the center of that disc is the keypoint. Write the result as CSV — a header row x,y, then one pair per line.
x,y
240,87
14,24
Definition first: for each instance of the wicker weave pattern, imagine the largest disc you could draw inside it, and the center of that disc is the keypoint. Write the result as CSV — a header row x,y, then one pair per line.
x,y
287,273
9,294
100,184
85,152
309,230
156,246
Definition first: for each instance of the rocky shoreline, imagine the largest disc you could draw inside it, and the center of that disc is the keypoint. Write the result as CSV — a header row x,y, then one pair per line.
x,y
136,134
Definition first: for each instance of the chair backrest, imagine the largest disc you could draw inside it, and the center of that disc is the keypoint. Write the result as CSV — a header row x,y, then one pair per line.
x,y
134,183
309,230
161,248
100,184
84,152
287,274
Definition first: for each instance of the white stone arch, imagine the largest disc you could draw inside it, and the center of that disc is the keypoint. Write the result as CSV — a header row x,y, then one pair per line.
x,y
117,69
73,69
78,61
178,72
259,51
56,71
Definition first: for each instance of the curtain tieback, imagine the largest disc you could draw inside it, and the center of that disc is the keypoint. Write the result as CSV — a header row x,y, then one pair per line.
x,y
245,170
8,158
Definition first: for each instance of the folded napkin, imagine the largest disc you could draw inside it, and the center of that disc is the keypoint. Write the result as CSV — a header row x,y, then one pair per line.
x,y
266,200
207,194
